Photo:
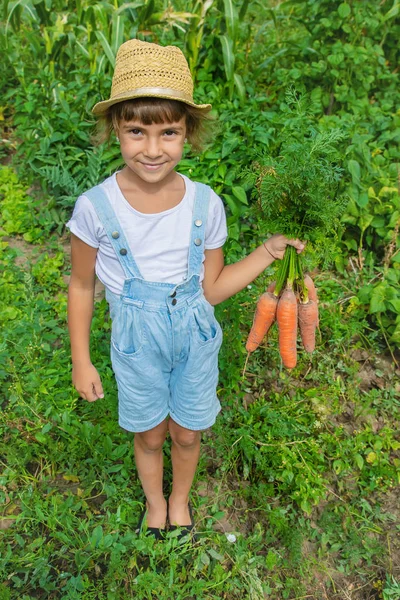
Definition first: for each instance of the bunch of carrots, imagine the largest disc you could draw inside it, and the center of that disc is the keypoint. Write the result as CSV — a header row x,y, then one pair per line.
x,y
293,306
299,194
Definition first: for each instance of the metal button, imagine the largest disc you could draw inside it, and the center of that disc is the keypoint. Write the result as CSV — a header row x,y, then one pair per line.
x,y
173,295
115,235
123,251
197,241
174,301
198,223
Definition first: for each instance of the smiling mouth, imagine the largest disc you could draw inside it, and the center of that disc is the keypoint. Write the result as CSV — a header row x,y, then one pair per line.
x,y
151,166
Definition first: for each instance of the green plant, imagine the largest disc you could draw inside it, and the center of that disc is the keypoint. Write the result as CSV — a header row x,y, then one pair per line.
x,y
298,190
344,56
391,589
375,215
194,33
20,213
229,44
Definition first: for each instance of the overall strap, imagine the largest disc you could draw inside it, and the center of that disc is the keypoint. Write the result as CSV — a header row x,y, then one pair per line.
x,y
114,231
198,233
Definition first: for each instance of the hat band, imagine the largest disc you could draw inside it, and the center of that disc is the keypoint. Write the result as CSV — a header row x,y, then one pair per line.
x,y
154,91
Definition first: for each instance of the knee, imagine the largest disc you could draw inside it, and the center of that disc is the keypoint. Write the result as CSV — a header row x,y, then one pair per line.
x,y
150,442
185,437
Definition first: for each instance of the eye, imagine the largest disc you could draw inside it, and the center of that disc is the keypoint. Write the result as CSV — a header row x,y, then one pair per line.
x,y
135,131
170,132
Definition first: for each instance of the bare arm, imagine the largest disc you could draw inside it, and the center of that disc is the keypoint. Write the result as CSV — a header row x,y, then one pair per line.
x,y
80,309
223,281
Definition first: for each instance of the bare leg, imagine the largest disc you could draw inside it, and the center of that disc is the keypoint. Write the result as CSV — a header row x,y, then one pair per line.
x,y
185,451
149,463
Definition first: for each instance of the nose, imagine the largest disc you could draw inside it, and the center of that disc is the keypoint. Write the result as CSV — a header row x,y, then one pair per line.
x,y
152,148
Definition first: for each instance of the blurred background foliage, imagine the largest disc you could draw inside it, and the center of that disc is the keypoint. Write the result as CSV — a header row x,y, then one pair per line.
x,y
58,60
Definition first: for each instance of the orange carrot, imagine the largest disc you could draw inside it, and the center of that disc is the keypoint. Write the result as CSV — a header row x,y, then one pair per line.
x,y
263,319
286,318
308,320
312,292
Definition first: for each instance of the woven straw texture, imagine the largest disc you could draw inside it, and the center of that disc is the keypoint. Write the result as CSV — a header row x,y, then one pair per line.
x,y
144,69
141,64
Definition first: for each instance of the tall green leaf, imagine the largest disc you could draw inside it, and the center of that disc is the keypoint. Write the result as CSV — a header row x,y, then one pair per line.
x,y
106,47
243,10
231,19
228,56
393,12
147,11
240,87
15,11
82,48
117,37
131,5
194,34
101,14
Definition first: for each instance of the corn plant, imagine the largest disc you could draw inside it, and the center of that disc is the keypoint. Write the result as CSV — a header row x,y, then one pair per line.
x,y
195,31
91,32
229,44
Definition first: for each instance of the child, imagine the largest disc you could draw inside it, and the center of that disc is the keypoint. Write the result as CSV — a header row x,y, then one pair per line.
x,y
154,238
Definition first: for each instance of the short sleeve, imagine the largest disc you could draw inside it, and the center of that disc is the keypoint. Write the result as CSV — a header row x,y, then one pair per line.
x,y
85,223
216,230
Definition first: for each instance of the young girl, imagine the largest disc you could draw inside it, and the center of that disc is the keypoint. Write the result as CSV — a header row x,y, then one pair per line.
x,y
154,238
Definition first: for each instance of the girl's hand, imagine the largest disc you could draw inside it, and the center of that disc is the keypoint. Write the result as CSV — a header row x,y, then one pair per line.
x,y
276,245
87,382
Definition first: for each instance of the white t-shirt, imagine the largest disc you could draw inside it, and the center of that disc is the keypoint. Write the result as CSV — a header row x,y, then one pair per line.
x,y
159,242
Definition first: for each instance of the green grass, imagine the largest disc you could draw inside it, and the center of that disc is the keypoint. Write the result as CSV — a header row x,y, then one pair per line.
x,y
302,467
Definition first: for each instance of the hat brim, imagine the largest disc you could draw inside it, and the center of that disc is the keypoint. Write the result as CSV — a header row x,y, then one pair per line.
x,y
101,107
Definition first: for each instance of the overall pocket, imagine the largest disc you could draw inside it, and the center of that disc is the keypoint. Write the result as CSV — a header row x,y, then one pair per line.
x,y
206,327
127,330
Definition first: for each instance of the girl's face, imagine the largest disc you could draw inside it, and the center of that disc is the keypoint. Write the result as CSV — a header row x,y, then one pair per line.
x,y
151,152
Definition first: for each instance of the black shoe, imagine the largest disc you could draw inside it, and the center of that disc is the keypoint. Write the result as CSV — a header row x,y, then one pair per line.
x,y
158,533
185,529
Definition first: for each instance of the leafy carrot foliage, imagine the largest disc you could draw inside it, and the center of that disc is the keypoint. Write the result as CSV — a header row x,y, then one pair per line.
x,y
298,186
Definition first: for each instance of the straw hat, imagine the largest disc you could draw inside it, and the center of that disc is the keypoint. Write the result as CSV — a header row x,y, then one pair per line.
x,y
149,70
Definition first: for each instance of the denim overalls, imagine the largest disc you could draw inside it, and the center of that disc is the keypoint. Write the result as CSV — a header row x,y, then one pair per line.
x,y
164,338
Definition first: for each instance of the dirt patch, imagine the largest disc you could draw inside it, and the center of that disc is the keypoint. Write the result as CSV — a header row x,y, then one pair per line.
x,y
10,510
328,583
66,484
365,582
375,371
390,508
27,254
235,518
342,588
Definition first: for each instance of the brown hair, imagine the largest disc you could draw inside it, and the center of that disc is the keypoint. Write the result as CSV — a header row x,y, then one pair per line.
x,y
156,110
